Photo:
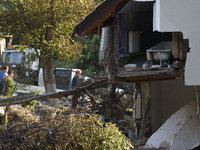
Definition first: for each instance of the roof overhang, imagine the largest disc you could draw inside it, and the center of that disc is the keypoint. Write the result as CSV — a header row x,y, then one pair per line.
x,y
143,0
92,23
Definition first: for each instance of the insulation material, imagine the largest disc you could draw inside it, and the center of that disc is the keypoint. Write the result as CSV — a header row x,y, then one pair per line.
x,y
180,131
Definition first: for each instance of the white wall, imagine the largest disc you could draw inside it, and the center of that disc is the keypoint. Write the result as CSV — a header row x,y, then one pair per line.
x,y
182,15
3,46
167,98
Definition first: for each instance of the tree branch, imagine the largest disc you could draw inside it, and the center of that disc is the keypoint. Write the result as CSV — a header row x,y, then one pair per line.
x,y
26,98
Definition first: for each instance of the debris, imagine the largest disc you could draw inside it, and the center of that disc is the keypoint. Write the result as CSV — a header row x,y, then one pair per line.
x,y
179,131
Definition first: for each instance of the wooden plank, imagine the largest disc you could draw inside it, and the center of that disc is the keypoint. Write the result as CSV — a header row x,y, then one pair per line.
x,y
146,94
175,44
144,73
125,106
144,78
180,34
138,106
140,76
155,77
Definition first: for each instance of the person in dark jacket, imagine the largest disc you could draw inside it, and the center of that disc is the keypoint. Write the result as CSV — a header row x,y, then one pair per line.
x,y
76,82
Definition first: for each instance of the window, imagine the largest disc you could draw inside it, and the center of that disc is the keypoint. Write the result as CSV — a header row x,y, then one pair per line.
x,y
13,57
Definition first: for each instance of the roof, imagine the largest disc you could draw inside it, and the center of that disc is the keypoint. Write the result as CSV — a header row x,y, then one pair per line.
x,y
92,22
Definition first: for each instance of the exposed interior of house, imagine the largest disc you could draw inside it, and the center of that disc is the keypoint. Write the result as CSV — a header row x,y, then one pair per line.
x,y
143,50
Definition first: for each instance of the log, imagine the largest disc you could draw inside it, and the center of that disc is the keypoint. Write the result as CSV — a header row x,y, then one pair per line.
x,y
26,98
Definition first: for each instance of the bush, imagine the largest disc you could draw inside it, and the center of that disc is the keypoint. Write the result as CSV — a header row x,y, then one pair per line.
x,y
8,87
74,132
91,133
31,104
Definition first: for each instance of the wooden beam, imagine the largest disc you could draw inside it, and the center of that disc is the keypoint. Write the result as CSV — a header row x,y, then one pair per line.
x,y
124,108
177,44
146,94
146,76
145,119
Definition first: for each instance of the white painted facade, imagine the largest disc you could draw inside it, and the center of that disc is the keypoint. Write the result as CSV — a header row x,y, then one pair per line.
x,y
182,16
3,46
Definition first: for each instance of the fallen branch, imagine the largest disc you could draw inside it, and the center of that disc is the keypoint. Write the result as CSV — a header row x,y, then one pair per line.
x,y
91,99
26,98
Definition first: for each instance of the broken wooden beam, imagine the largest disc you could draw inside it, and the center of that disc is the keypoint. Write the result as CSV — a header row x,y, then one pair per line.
x,y
124,108
26,98
91,99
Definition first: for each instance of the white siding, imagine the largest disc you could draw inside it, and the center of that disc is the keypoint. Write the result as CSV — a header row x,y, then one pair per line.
x,y
182,15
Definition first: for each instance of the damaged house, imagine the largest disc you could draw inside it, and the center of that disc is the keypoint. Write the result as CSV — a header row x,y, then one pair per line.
x,y
154,43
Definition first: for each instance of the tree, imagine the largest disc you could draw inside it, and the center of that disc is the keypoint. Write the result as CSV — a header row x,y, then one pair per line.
x,y
89,61
45,25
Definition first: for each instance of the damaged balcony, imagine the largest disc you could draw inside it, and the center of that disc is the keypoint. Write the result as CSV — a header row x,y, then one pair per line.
x,y
129,39
165,60
157,64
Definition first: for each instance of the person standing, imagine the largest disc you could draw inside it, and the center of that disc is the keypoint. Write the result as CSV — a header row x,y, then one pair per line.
x,y
4,76
76,82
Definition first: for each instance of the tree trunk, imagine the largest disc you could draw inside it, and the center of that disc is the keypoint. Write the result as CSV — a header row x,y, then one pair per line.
x,y
49,79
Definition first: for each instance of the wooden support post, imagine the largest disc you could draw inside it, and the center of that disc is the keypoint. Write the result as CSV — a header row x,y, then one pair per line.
x,y
137,89
176,44
146,106
146,94
145,119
